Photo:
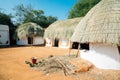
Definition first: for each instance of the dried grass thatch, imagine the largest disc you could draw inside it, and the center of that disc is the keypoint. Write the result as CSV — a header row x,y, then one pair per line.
x,y
62,28
24,30
100,25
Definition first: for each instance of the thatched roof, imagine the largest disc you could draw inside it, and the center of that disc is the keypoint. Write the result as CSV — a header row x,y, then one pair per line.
x,y
62,28
100,25
24,30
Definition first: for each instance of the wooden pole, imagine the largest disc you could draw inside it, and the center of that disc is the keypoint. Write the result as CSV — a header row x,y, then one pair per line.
x,y
78,50
66,72
70,48
69,51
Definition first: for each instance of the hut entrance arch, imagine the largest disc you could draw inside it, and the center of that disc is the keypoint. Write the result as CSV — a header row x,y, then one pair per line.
x,y
56,43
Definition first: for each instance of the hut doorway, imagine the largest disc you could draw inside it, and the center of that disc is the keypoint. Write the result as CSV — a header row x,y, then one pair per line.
x,y
30,40
84,46
56,42
75,45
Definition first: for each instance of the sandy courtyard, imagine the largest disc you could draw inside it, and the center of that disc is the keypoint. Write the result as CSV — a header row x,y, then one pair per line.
x,y
13,67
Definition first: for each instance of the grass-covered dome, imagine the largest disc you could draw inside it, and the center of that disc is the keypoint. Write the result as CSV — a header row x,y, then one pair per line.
x,y
100,25
29,29
62,28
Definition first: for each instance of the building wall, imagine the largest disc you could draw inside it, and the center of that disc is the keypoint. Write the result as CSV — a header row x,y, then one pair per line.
x,y
4,27
22,41
103,56
49,42
38,41
64,43
4,35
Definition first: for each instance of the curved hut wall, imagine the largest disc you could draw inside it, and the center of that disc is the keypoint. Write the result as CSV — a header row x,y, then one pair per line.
x,y
49,42
101,29
103,56
59,33
22,41
64,43
38,41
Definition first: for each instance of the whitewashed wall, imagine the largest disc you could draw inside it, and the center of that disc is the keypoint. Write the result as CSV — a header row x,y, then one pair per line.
x,y
49,42
23,41
103,56
64,43
4,35
38,41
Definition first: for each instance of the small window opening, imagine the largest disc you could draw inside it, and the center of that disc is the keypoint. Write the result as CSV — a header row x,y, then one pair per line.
x,y
84,46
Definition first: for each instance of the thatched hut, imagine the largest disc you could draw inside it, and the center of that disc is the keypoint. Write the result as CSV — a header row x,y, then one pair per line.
x,y
101,29
30,34
59,32
4,35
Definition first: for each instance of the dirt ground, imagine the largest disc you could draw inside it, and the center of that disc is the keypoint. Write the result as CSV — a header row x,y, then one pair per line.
x,y
13,67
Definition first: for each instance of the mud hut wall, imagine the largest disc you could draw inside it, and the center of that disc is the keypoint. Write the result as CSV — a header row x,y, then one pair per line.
x,y
107,50
49,42
103,56
22,41
64,43
38,41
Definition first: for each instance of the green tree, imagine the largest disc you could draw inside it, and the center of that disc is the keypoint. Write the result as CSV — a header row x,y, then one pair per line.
x,y
6,20
81,8
26,14
46,20
22,13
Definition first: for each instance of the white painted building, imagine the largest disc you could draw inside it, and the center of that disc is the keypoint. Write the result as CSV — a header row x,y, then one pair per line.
x,y
4,35
64,43
59,32
26,38
101,29
38,41
49,42
22,41
103,56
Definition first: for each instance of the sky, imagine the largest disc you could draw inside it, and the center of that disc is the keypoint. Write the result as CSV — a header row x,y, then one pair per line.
x,y
56,8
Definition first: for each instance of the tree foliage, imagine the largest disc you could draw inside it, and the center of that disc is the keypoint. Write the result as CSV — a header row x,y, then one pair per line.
x,y
21,13
5,19
81,8
28,14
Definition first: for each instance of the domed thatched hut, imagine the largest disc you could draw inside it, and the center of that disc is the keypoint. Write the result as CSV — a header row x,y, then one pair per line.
x,y
101,29
30,33
60,32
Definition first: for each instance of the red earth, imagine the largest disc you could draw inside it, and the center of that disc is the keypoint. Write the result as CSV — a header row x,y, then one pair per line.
x,y
13,67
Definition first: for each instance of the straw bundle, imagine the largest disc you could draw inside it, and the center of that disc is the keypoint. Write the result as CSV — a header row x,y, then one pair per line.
x,y
24,30
62,28
100,25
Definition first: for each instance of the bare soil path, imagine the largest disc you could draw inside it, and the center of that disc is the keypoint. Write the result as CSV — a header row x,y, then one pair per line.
x,y
13,67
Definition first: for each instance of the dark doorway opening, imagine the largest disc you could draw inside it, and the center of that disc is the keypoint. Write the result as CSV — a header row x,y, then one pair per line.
x,y
119,49
75,45
56,42
30,40
84,46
